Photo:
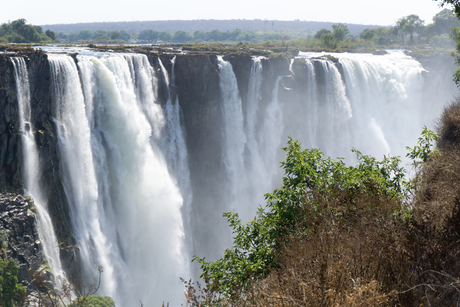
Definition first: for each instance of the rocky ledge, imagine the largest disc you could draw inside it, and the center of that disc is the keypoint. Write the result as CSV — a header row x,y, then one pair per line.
x,y
19,237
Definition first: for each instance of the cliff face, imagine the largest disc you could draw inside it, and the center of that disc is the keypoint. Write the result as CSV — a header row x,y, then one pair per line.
x,y
10,145
19,238
11,155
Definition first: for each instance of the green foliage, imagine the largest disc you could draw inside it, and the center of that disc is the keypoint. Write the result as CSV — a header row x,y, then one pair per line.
x,y
444,21
11,292
454,3
310,181
94,301
18,31
321,33
425,148
3,242
340,31
329,40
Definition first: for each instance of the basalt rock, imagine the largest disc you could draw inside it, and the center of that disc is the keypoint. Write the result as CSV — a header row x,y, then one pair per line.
x,y
20,240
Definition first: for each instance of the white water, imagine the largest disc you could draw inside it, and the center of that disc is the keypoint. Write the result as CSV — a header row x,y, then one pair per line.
x,y
233,134
32,171
125,206
124,159
252,139
374,106
176,153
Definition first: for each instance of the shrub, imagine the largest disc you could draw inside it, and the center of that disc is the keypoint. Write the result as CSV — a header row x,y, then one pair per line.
x,y
317,196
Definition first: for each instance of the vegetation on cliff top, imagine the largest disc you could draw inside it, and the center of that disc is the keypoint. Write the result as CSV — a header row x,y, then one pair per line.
x,y
409,32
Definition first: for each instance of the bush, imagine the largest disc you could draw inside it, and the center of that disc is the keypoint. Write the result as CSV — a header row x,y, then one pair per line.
x,y
11,292
316,194
94,301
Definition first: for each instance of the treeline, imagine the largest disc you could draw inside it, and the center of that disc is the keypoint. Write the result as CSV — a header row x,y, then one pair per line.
x,y
412,30
19,32
179,37
407,31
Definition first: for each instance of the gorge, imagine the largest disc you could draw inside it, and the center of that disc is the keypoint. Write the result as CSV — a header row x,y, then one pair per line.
x,y
131,159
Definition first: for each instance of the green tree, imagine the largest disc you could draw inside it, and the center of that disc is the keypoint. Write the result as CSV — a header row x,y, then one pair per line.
x,y
11,292
181,37
367,34
115,35
165,36
340,31
94,301
444,21
456,36
320,33
200,35
400,28
126,36
310,185
148,35
51,35
454,3
329,40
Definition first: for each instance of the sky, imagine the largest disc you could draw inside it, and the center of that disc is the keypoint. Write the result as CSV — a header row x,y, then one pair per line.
x,y
367,12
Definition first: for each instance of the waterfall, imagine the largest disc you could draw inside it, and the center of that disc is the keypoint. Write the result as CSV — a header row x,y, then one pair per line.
x,y
234,135
177,155
32,172
125,205
133,190
372,103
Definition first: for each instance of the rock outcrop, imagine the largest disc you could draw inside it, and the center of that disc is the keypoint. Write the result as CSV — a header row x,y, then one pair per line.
x,y
19,237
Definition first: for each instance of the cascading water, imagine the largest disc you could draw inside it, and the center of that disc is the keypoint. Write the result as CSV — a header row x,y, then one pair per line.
x,y
175,151
233,134
125,206
31,173
373,104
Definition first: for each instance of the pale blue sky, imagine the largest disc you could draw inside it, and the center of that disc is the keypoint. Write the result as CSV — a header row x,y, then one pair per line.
x,y
346,11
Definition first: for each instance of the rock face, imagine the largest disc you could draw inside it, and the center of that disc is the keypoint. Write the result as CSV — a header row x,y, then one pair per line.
x,y
11,157
10,145
20,240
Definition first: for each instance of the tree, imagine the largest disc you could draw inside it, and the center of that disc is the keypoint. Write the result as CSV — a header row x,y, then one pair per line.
x,y
400,28
95,301
329,40
11,291
454,3
455,35
148,35
125,36
165,36
340,31
367,34
444,21
320,33
181,37
414,25
115,35
51,35
18,23
310,188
